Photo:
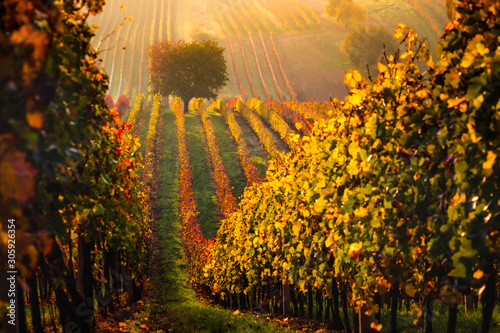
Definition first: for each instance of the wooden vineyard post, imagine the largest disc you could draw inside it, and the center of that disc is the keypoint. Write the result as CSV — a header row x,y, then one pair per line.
x,y
469,304
286,298
364,320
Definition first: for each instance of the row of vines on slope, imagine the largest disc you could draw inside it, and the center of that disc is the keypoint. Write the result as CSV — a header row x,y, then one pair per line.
x,y
196,246
227,201
398,190
251,173
258,127
275,121
69,180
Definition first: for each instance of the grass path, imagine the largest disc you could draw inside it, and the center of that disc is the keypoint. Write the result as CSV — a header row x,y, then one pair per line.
x,y
203,183
229,152
171,305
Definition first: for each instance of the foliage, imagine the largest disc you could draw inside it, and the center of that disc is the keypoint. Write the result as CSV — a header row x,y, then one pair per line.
x,y
122,105
258,127
108,99
187,70
346,11
364,46
272,118
68,164
134,115
251,173
398,186
196,246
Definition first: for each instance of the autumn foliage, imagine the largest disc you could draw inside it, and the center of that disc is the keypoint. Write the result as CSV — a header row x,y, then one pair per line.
x,y
397,187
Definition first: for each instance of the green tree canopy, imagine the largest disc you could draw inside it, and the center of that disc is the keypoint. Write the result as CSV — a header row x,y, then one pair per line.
x,y
364,46
187,70
346,11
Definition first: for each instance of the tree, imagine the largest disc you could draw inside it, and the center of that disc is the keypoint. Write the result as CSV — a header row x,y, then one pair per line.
x,y
345,11
122,105
364,46
187,70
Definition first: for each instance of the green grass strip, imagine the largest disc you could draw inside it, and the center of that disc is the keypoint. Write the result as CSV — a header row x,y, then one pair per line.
x,y
203,183
229,154
184,311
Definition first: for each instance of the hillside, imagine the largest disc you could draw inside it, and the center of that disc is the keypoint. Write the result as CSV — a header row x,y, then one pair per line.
x,y
276,49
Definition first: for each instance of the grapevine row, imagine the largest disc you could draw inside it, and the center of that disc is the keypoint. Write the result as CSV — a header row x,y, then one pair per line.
x,y
290,116
255,93
227,201
274,120
266,90
236,71
276,12
304,110
251,173
265,137
122,60
425,14
141,61
135,113
254,13
288,85
393,194
117,42
275,81
194,242
131,69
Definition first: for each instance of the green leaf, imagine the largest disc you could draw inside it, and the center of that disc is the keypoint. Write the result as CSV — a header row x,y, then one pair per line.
x,y
105,178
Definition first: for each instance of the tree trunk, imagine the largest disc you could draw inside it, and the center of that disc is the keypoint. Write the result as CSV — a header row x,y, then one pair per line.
x,y
428,316
309,302
394,307
36,319
488,298
452,319
343,296
286,298
186,105
21,310
319,303
302,311
294,301
336,313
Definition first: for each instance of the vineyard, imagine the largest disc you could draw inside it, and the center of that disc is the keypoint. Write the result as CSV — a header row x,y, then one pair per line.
x,y
374,211
279,50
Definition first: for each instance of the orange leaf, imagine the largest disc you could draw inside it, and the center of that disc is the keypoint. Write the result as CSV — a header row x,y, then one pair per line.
x,y
17,179
35,119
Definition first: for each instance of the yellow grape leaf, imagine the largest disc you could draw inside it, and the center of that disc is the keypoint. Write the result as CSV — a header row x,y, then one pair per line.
x,y
398,33
319,204
478,274
381,67
352,78
376,326
467,60
454,102
488,164
457,199
355,249
410,290
329,241
361,212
